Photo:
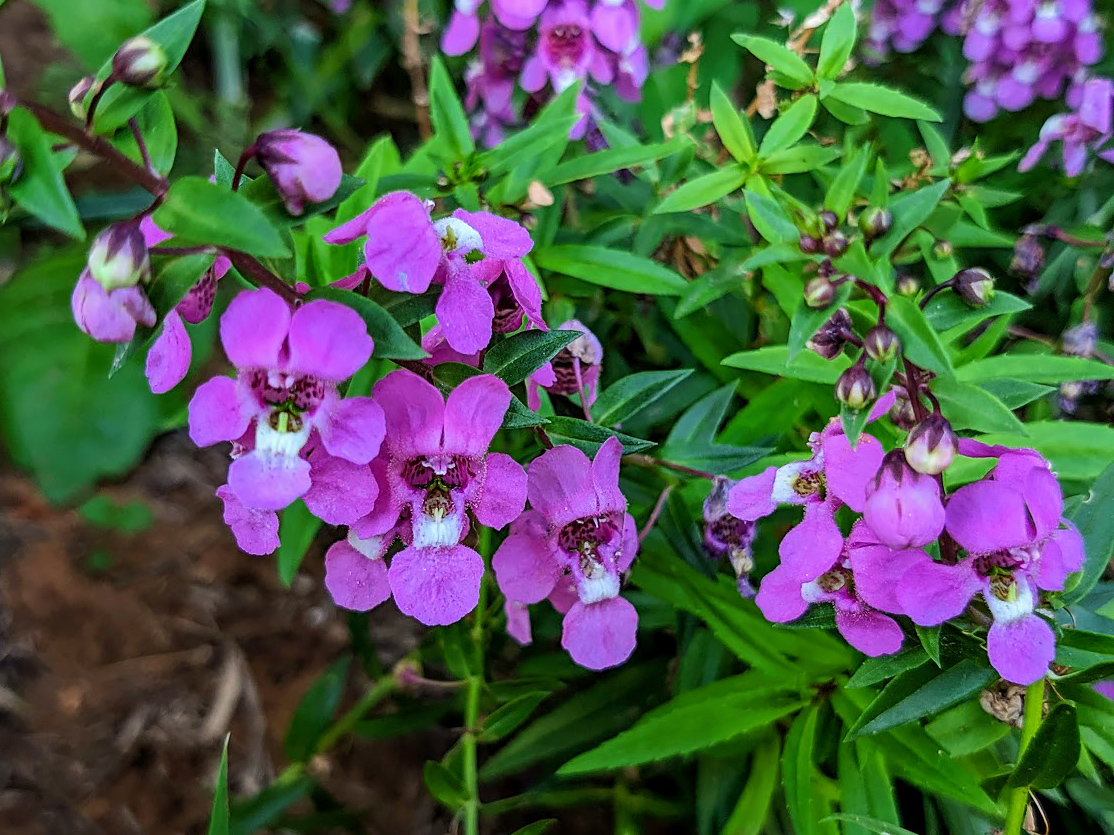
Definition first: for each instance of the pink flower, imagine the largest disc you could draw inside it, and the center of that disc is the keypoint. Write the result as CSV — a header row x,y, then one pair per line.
x,y
566,50
571,547
574,370
304,167
903,506
110,315
406,251
436,471
284,401
1079,132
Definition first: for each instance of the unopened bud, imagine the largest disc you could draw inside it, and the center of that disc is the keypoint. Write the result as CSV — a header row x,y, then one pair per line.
x,y
809,245
907,285
974,285
826,269
876,222
835,244
902,413
942,250
819,293
11,163
931,446
855,387
881,344
80,92
829,219
140,62
303,167
1081,340
1028,257
829,340
119,257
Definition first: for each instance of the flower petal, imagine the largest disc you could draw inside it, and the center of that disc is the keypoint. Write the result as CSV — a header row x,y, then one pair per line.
x,y
525,568
1021,650
600,635
518,621
779,596
752,497
473,414
988,516
465,311
931,593
328,340
340,492
414,411
813,546
168,359
267,481
605,477
1062,555
867,630
526,292
847,469
502,238
437,586
559,485
217,412
254,328
352,428
1044,499
503,495
403,250
256,531
630,544
354,581
878,568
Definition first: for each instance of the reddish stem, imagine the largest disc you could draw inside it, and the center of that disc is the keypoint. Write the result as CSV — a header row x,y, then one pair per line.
x,y
261,275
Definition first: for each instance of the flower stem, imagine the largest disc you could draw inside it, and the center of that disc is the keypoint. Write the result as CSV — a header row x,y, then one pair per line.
x,y
1019,797
640,460
472,717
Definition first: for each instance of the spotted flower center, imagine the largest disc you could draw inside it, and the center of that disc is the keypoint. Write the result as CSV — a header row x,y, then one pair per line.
x,y
999,568
508,312
439,473
291,393
834,580
566,44
809,483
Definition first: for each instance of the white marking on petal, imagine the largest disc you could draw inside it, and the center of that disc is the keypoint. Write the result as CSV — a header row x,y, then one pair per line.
x,y
278,443
437,529
371,547
457,236
1018,606
602,585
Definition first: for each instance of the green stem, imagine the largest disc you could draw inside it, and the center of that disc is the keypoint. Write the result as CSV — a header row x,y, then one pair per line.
x,y
1019,797
472,716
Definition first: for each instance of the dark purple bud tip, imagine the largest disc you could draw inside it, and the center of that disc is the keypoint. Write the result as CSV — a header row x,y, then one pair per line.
x,y
855,388
876,222
902,413
11,163
974,285
828,342
79,93
140,62
1028,257
819,293
931,446
809,245
829,219
881,344
119,257
835,244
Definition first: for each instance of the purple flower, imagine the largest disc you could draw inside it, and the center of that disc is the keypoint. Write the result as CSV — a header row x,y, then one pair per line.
x,y
304,167
406,251
515,294
901,25
728,536
574,370
903,506
566,51
284,400
1017,543
571,547
436,470
110,315
1079,132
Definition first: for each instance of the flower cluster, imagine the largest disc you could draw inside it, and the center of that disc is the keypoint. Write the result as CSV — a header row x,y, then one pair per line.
x,y
899,25
1002,538
1086,129
545,46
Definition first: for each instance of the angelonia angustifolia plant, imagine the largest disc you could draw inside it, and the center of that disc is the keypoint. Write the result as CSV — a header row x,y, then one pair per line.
x,y
739,485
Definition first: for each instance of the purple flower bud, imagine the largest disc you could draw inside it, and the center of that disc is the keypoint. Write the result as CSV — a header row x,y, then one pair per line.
x,y
931,446
876,222
11,163
974,285
1028,257
140,62
855,387
835,244
819,293
119,257
908,285
828,342
902,413
903,506
80,92
881,344
829,219
303,167
809,245
826,269
727,535
1080,341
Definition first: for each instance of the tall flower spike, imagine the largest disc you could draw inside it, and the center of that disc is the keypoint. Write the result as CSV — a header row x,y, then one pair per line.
x,y
571,547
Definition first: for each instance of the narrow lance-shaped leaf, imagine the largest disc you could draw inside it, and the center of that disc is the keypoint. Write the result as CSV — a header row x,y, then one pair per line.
x,y
516,358
837,43
779,57
1053,753
883,100
628,396
703,190
789,127
612,268
197,211
40,189
446,113
734,130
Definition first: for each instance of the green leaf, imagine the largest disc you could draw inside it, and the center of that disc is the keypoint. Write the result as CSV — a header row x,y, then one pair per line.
x,y
448,375
160,134
93,30
872,824
774,359
1035,368
589,437
1096,525
297,528
40,189
506,718
919,342
517,357
805,156
966,728
930,640
753,807
263,194
733,129
946,310
612,268
1052,754
536,828
743,704
841,192
770,219
878,99
218,817
910,210
314,714
610,160
626,397
444,785
196,211
967,406
796,769
807,320
837,43
789,127
391,340
450,123
549,127
703,190
923,691
882,667
250,815
779,57
174,34
173,279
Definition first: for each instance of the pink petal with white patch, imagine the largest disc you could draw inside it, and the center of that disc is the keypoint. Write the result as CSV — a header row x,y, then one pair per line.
x,y
268,481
